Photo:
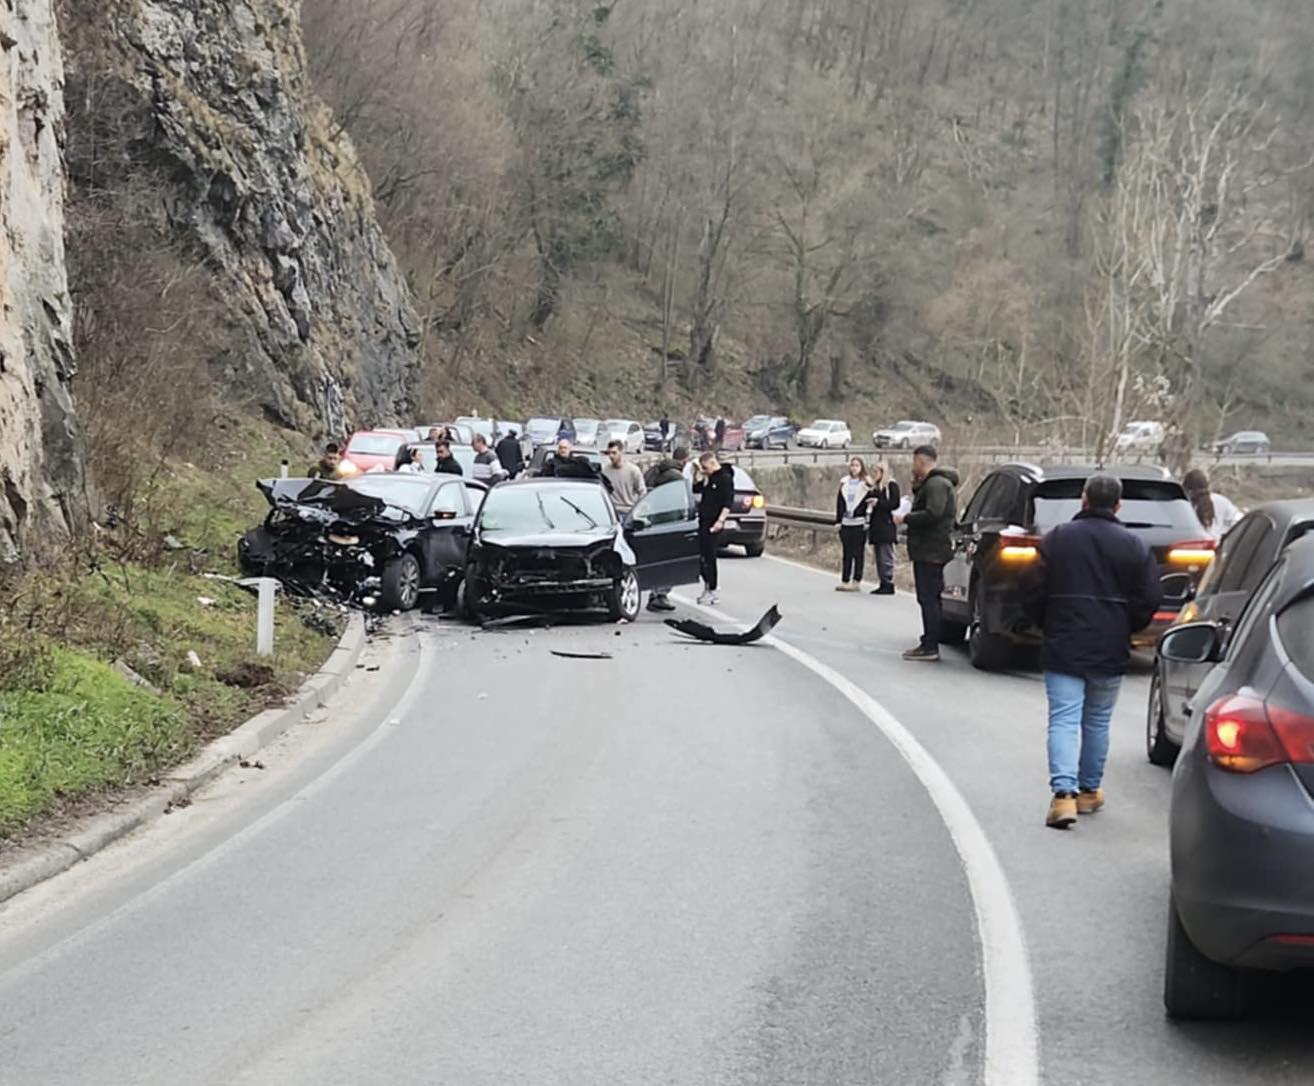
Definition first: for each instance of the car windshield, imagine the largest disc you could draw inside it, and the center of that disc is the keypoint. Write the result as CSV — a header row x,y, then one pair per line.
x,y
617,424
585,426
757,422
462,454
541,425
534,510
376,444
904,426
408,492
1146,503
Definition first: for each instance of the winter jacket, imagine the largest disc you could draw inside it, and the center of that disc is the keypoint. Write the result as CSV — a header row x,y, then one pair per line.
x,y
450,466
488,468
934,509
1094,586
510,456
716,493
573,467
855,517
663,472
884,503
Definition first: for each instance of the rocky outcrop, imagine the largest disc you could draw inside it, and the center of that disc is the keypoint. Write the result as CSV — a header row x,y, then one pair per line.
x,y
266,189
40,467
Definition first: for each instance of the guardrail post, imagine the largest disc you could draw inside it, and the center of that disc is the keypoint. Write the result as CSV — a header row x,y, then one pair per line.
x,y
265,617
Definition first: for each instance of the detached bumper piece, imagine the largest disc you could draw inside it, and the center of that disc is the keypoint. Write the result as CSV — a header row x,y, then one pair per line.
x,y
702,632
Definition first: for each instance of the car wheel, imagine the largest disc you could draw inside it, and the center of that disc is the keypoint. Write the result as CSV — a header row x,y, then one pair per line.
x,y
1195,986
754,550
1261,450
469,595
401,583
624,598
988,651
1161,750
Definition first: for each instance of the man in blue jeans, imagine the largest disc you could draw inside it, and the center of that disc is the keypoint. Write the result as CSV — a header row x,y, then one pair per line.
x,y
1095,584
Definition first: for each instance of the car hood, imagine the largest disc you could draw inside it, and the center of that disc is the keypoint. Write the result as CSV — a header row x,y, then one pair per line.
x,y
327,501
547,540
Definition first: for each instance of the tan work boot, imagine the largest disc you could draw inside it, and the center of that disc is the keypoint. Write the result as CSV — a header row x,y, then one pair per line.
x,y
1089,802
1062,811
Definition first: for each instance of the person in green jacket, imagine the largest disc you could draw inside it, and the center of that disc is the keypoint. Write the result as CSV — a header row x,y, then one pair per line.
x,y
929,521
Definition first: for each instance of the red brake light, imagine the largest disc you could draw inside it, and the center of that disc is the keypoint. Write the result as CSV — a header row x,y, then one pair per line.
x,y
1244,734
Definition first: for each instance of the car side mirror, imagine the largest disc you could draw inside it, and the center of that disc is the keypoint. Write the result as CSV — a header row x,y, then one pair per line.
x,y
638,524
1194,643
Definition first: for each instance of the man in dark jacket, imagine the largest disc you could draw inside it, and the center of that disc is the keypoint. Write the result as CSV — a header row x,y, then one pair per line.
x,y
881,530
509,455
716,489
447,463
667,470
1095,584
566,465
934,508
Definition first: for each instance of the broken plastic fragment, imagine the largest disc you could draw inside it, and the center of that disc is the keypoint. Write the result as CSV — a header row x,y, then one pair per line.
x,y
702,632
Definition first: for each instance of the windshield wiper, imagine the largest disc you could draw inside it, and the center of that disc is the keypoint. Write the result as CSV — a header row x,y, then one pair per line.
x,y
543,512
592,523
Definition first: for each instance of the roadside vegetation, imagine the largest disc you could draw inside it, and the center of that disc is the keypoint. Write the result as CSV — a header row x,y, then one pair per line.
x,y
99,688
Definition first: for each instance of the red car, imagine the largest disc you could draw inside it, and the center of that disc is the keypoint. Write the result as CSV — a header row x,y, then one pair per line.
x,y
373,449
705,431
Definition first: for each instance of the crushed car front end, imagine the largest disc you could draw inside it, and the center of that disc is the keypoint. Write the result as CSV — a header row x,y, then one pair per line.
x,y
541,575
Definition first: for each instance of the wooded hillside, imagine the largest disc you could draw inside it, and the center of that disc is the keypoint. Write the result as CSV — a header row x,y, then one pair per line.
x,y
1056,215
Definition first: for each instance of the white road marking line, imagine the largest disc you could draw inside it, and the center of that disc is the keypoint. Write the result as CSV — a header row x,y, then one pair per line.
x,y
1011,1045
392,719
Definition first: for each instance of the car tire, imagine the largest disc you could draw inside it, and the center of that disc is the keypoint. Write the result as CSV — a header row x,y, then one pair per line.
x,y
1263,450
755,550
987,651
1160,750
952,633
1196,987
468,596
625,596
400,583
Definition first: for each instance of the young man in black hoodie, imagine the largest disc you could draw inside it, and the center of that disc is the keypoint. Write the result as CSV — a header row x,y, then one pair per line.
x,y
510,455
716,490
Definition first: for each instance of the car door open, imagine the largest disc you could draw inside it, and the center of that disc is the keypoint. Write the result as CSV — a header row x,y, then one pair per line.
x,y
662,530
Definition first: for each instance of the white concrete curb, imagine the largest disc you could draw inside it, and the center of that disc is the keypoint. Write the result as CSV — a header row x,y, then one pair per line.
x,y
255,734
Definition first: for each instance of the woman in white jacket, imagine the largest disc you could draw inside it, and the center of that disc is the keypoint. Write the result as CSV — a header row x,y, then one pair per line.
x,y
851,509
1217,513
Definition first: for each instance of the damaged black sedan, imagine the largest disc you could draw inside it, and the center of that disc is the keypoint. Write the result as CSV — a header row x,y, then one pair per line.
x,y
379,539
557,545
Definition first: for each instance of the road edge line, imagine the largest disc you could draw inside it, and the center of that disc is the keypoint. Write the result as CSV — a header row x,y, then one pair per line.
x,y
214,759
1012,1045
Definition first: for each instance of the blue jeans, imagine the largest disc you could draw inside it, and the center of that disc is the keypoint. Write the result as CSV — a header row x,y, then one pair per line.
x,y
1079,713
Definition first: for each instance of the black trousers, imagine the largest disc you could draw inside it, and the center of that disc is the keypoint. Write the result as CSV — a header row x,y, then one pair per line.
x,y
707,543
929,578
854,541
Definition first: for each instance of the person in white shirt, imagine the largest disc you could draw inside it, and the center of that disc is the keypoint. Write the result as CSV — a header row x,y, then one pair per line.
x,y
1217,513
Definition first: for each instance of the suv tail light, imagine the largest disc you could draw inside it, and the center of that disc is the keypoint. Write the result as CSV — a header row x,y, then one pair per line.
x,y
1244,733
1018,547
1194,553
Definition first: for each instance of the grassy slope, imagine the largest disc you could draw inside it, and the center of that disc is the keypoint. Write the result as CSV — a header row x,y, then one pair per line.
x,y
70,725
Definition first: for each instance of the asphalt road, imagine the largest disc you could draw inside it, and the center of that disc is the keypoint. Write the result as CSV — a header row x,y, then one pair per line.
x,y
683,864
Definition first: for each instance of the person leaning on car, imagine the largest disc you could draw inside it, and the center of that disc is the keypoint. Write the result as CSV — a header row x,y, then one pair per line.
x,y
930,521
1094,585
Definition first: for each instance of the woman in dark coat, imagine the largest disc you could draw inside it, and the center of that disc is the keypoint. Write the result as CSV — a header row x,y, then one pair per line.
x,y
882,532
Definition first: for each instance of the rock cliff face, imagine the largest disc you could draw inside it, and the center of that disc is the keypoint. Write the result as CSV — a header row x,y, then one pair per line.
x,y
40,469
266,189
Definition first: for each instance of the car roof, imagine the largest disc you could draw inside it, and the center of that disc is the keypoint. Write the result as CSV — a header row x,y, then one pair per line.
x,y
1085,471
549,480
1288,511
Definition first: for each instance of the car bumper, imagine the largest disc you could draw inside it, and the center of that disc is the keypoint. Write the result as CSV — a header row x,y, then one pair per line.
x,y
1241,876
745,530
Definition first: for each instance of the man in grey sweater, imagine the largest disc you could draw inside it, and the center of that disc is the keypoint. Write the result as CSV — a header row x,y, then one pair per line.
x,y
624,478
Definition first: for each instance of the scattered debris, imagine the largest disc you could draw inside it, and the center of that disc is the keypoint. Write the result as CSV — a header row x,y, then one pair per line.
x,y
173,543
247,675
582,655
702,632
206,601
245,764
193,661
133,677
178,804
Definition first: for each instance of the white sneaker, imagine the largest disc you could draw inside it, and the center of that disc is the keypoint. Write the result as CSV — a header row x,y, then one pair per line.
x,y
713,598
704,599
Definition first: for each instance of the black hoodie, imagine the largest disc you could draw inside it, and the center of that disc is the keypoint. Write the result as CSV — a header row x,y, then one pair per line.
x,y
717,493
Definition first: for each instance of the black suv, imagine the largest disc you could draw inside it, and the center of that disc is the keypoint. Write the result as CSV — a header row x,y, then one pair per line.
x,y
995,543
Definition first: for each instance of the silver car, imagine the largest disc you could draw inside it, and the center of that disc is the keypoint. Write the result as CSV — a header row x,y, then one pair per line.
x,y
1245,556
906,434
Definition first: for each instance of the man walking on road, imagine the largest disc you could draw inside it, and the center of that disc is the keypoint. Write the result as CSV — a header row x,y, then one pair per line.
x,y
934,508
667,470
625,479
716,488
1095,584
